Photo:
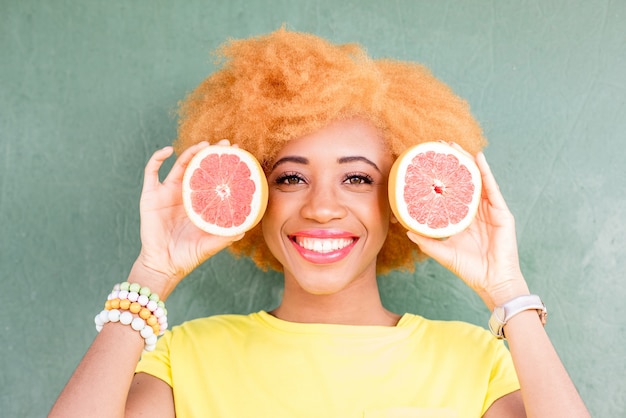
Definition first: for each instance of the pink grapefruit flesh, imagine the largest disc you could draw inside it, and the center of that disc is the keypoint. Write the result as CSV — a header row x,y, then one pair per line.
x,y
224,190
434,189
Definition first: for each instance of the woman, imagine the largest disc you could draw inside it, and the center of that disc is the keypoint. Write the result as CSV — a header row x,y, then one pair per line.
x,y
326,122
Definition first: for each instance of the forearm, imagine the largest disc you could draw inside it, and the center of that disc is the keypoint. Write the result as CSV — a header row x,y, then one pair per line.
x,y
171,248
546,386
100,384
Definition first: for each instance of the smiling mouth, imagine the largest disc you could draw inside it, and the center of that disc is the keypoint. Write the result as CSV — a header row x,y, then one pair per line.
x,y
323,245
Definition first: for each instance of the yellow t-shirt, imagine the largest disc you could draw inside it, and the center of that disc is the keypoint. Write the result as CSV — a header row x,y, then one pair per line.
x,y
260,366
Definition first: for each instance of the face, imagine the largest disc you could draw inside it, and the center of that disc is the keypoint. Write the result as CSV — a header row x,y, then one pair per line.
x,y
328,212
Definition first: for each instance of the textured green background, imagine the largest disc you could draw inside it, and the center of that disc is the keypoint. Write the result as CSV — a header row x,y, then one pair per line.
x,y
87,93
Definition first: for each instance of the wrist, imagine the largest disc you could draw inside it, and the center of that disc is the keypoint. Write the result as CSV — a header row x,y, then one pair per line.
x,y
157,281
138,307
514,307
506,291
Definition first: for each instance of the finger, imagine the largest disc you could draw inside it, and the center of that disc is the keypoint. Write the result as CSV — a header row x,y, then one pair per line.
x,y
460,149
226,143
439,250
212,244
151,171
179,167
238,237
491,190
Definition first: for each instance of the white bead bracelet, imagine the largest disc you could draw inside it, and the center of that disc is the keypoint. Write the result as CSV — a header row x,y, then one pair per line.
x,y
127,318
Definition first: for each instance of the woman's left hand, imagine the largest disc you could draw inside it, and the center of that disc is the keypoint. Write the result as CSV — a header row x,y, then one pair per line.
x,y
485,254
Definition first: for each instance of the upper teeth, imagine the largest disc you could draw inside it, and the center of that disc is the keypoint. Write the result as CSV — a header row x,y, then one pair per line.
x,y
323,245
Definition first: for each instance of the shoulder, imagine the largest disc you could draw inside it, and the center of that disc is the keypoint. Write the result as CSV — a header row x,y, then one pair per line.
x,y
216,324
451,333
464,346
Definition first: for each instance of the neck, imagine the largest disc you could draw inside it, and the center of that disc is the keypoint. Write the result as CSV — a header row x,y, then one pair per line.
x,y
357,304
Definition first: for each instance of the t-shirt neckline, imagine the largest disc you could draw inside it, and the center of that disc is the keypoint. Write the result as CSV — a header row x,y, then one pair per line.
x,y
316,328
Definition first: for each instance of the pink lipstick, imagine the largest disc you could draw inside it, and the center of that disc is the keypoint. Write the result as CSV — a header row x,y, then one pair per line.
x,y
323,246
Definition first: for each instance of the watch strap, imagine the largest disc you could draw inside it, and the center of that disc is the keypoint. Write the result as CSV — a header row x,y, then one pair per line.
x,y
503,313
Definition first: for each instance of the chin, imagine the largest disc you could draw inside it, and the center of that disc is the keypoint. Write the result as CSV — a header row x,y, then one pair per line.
x,y
323,290
319,286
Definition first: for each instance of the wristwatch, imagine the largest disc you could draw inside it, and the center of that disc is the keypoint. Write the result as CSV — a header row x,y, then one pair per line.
x,y
503,313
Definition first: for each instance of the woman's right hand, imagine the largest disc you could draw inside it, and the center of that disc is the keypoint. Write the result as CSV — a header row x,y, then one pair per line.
x,y
172,246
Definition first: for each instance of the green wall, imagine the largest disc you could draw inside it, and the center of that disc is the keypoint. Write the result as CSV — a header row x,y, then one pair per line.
x,y
87,91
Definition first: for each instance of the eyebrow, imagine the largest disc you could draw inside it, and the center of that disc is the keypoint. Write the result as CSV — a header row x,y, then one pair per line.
x,y
341,160
344,160
290,159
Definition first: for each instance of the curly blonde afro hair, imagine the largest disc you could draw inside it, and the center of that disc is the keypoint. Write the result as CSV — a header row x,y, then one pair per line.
x,y
283,85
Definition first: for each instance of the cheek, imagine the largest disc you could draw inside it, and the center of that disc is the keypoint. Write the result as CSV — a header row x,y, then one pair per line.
x,y
374,211
382,203
269,219
275,215
383,217
277,207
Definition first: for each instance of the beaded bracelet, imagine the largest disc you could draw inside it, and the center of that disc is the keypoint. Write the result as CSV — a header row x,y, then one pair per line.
x,y
127,318
139,300
131,304
155,317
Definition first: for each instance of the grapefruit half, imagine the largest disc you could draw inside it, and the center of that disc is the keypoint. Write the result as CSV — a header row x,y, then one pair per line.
x,y
434,189
224,190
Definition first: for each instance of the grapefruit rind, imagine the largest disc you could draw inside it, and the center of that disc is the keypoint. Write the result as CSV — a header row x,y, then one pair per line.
x,y
398,201
258,203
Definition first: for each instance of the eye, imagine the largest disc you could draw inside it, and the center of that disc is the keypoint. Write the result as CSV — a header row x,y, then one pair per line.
x,y
290,179
358,178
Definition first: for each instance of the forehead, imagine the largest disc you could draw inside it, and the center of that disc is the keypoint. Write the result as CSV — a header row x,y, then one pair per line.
x,y
344,137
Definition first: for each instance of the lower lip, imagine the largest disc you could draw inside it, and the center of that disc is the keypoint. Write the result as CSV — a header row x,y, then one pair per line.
x,y
324,258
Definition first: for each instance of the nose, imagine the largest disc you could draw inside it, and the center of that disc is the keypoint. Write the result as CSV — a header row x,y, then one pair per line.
x,y
323,204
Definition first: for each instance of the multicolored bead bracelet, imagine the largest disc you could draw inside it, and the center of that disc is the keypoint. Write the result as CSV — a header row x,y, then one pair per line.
x,y
131,304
